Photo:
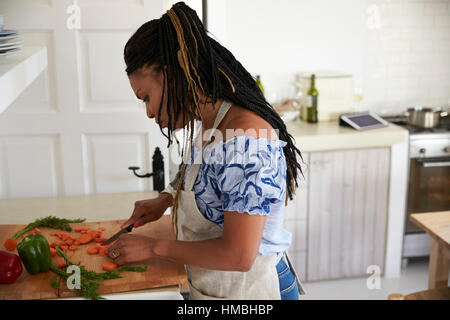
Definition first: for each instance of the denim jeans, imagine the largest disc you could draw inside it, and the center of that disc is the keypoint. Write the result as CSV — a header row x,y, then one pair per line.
x,y
288,283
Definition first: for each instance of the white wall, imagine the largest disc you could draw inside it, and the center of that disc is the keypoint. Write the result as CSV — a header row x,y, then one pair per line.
x,y
277,39
194,4
408,57
405,61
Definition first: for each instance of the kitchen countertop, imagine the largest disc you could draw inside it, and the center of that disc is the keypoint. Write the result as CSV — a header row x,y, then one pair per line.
x,y
98,207
159,273
329,135
166,293
95,208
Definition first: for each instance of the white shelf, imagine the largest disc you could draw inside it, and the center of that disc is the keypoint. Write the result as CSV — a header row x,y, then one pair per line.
x,y
18,70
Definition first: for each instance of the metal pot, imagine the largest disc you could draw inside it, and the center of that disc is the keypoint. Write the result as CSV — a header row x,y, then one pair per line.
x,y
425,117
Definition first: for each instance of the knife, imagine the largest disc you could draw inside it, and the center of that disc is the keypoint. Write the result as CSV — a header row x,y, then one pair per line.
x,y
117,235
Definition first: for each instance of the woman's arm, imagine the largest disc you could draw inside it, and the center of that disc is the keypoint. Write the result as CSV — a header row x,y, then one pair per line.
x,y
236,250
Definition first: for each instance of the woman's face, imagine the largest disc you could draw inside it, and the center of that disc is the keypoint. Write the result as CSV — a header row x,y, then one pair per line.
x,y
147,84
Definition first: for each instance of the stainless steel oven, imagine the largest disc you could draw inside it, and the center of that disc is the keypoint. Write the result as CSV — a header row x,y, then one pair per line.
x,y
429,177
429,180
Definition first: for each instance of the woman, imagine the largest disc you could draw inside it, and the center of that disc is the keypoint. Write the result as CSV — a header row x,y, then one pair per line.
x,y
228,198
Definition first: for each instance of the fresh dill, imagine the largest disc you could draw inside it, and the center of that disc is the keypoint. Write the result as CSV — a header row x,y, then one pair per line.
x,y
49,222
90,279
54,283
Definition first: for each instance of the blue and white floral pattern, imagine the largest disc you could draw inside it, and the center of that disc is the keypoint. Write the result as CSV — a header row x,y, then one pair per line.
x,y
245,174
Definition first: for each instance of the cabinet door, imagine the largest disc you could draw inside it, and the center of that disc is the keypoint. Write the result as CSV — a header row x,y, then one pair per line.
x,y
79,121
297,207
348,196
295,221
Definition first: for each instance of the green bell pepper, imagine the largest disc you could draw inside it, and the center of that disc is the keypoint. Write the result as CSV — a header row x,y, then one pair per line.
x,y
34,251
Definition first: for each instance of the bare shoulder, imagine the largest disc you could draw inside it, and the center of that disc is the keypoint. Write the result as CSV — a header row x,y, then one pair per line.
x,y
243,122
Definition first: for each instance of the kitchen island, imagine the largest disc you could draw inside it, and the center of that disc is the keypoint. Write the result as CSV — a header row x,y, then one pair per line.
x,y
162,279
347,218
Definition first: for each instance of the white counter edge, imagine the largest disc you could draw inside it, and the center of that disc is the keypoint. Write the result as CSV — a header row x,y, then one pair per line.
x,y
398,189
329,136
16,76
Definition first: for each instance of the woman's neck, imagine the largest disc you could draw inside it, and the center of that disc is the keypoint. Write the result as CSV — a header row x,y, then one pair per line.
x,y
208,114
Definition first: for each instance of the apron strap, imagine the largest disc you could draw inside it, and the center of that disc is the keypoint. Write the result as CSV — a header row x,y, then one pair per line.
x,y
191,175
301,290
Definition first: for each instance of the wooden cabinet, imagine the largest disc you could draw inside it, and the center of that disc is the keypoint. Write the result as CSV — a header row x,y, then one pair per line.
x,y
296,223
338,218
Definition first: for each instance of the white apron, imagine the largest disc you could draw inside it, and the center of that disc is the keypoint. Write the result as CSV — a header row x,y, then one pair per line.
x,y
259,283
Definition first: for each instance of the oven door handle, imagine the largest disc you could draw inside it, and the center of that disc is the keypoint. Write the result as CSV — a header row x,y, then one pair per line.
x,y
433,163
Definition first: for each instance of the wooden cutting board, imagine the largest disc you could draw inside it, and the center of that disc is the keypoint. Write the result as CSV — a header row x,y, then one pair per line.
x,y
159,273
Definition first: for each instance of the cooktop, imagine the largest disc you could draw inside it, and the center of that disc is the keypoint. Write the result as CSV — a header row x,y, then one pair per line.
x,y
400,120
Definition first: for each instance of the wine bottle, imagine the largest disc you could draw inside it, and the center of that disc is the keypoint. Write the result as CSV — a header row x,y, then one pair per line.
x,y
312,101
259,83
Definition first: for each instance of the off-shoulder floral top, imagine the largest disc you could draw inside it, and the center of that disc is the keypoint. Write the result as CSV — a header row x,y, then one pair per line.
x,y
245,174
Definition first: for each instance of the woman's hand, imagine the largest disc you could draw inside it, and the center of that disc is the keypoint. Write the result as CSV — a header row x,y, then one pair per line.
x,y
149,210
131,248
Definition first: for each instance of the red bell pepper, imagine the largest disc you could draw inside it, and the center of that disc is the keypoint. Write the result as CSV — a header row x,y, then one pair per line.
x,y
10,267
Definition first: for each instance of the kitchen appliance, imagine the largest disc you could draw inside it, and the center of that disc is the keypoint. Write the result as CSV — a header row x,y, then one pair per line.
x,y
425,117
429,178
362,120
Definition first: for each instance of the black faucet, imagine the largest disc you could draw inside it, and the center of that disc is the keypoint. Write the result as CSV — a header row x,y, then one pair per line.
x,y
158,171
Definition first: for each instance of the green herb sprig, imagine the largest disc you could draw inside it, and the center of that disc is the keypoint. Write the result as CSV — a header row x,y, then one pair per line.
x,y
54,283
89,279
49,222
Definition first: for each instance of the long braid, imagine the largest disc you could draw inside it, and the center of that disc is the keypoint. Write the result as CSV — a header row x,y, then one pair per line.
x,y
194,61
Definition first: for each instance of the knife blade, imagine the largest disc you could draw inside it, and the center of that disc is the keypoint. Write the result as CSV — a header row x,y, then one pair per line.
x,y
117,235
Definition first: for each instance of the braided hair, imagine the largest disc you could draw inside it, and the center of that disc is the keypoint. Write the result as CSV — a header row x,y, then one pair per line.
x,y
195,61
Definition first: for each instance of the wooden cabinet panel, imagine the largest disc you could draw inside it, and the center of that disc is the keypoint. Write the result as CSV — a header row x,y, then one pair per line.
x,y
382,207
347,208
298,229
298,207
296,222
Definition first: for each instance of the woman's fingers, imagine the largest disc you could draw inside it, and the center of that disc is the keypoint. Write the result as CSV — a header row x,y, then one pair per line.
x,y
117,251
127,223
142,220
137,213
120,261
139,221
146,211
115,248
